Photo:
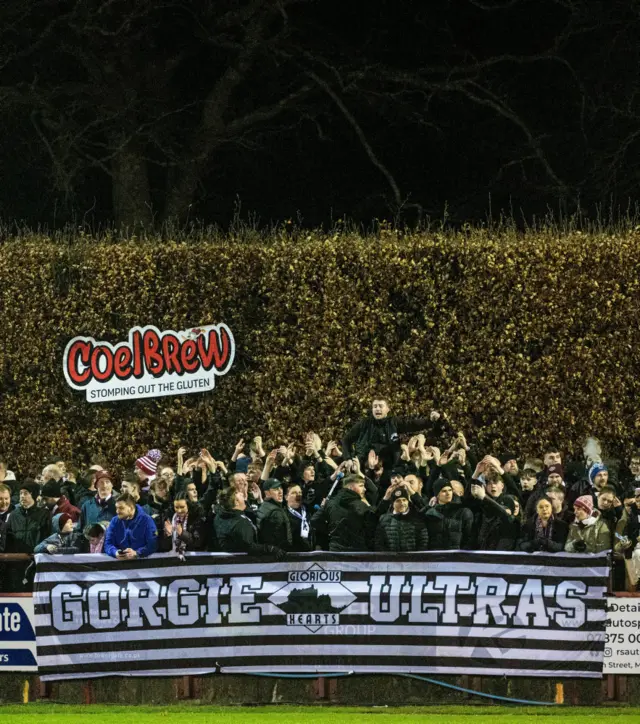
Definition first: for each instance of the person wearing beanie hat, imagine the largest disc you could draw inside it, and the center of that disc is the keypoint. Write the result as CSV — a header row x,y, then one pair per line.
x,y
589,533
509,463
65,539
57,502
147,466
65,523
450,525
51,489
31,487
27,526
598,475
403,528
585,504
555,475
442,491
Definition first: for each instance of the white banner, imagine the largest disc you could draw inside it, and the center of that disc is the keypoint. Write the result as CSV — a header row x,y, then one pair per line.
x,y
622,638
434,612
17,634
150,364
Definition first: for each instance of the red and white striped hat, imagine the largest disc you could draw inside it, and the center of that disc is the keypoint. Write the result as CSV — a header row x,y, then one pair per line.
x,y
149,463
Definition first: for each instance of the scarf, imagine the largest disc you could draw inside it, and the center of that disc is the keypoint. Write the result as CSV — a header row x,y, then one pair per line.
x,y
304,523
96,547
178,545
542,531
102,501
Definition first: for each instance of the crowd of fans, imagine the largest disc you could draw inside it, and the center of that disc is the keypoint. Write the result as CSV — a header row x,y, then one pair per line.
x,y
383,488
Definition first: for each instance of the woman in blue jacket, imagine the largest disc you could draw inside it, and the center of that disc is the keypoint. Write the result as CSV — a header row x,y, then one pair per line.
x,y
132,533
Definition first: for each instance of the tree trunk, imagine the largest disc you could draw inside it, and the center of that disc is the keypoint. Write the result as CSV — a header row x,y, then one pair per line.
x,y
181,195
130,188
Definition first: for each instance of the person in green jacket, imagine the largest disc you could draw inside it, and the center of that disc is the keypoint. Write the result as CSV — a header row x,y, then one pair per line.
x,y
589,533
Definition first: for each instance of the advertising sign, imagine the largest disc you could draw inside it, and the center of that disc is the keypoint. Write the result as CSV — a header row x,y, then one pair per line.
x,y
622,637
150,364
17,634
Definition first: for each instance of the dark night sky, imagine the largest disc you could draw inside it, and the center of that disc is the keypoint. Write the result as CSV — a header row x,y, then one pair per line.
x,y
531,104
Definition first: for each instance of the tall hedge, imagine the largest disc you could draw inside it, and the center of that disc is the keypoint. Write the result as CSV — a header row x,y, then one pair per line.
x,y
522,340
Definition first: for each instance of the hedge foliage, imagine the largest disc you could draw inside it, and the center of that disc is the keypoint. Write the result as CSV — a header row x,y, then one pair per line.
x,y
522,339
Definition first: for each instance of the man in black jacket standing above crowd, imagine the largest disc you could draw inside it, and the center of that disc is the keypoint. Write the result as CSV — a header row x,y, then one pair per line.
x,y
380,432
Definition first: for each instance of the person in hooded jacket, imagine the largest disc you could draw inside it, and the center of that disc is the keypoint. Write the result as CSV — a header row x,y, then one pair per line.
x,y
131,533
402,528
347,521
450,524
65,539
589,533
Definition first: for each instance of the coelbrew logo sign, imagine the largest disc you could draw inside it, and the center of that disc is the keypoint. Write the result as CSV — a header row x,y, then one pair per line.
x,y
150,364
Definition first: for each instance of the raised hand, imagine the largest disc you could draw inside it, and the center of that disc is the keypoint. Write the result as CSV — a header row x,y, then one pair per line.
x,y
372,460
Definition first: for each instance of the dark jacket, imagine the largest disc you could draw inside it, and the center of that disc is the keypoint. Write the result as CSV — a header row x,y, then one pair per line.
x,y
298,543
273,525
313,493
496,529
553,543
450,527
95,512
347,522
63,543
383,436
78,493
578,489
26,528
236,533
4,517
399,533
64,506
193,536
139,534
632,528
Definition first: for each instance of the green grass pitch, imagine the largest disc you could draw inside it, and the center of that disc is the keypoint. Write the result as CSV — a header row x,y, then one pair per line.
x,y
63,714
